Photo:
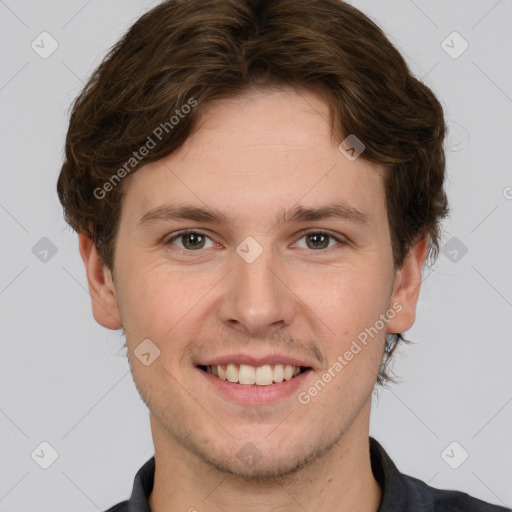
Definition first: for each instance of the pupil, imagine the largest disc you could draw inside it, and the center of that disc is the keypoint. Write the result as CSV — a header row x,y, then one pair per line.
x,y
317,237
193,240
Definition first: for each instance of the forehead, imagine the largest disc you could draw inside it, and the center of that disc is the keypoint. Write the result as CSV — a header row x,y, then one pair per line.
x,y
267,150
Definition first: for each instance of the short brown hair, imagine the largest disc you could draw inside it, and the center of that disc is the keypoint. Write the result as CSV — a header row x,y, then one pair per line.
x,y
205,50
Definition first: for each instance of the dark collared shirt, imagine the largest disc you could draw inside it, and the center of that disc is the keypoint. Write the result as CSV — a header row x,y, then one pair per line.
x,y
400,493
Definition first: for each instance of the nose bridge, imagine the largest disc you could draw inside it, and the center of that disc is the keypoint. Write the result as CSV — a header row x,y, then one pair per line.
x,y
257,298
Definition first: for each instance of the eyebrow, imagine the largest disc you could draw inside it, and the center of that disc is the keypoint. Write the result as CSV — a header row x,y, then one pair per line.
x,y
339,210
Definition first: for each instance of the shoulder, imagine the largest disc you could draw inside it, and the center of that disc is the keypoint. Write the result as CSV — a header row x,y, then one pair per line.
x,y
442,500
120,507
403,493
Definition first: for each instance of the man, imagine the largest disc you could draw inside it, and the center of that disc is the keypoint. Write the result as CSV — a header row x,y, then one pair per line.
x,y
257,186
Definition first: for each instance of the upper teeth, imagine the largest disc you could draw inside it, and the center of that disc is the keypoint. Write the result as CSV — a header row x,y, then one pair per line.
x,y
261,375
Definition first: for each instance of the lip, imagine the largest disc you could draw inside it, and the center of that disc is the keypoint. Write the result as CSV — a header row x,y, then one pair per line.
x,y
255,361
255,395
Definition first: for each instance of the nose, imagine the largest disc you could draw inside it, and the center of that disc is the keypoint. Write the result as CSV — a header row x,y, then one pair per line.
x,y
257,298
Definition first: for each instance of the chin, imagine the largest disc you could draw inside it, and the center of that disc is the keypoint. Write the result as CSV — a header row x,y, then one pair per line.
x,y
264,460
251,463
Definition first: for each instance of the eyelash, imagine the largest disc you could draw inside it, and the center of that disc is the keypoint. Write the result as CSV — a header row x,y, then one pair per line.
x,y
302,234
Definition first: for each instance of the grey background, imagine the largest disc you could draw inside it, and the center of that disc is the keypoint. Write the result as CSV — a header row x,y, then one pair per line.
x,y
64,380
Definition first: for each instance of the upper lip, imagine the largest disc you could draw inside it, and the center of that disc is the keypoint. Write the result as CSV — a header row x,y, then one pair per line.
x,y
271,359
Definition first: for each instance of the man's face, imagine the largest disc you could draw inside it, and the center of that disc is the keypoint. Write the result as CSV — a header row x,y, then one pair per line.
x,y
263,291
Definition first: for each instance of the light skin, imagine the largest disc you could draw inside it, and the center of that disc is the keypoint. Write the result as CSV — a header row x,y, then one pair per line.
x,y
305,296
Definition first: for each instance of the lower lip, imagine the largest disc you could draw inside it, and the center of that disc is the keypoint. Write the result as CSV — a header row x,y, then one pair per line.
x,y
255,395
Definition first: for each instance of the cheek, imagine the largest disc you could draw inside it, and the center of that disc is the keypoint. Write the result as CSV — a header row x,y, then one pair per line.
x,y
157,299
350,303
349,298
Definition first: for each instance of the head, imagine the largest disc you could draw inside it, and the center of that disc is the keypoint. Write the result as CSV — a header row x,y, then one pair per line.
x,y
240,108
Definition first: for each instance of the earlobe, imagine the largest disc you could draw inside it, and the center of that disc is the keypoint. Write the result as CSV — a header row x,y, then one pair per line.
x,y
407,286
101,286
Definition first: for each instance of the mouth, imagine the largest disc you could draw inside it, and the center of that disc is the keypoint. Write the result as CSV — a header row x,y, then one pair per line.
x,y
246,375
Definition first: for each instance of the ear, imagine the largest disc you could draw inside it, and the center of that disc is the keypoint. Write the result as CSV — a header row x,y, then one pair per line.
x,y
101,286
406,288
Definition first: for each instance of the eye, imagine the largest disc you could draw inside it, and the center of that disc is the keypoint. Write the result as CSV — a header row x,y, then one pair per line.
x,y
319,240
190,240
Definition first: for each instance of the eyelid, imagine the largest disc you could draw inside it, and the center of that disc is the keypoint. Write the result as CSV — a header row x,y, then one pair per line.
x,y
177,234
338,236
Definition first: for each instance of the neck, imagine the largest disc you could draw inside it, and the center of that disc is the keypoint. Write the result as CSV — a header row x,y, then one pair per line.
x,y
341,479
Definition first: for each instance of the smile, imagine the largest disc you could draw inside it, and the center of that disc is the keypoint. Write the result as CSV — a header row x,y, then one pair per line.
x,y
253,375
